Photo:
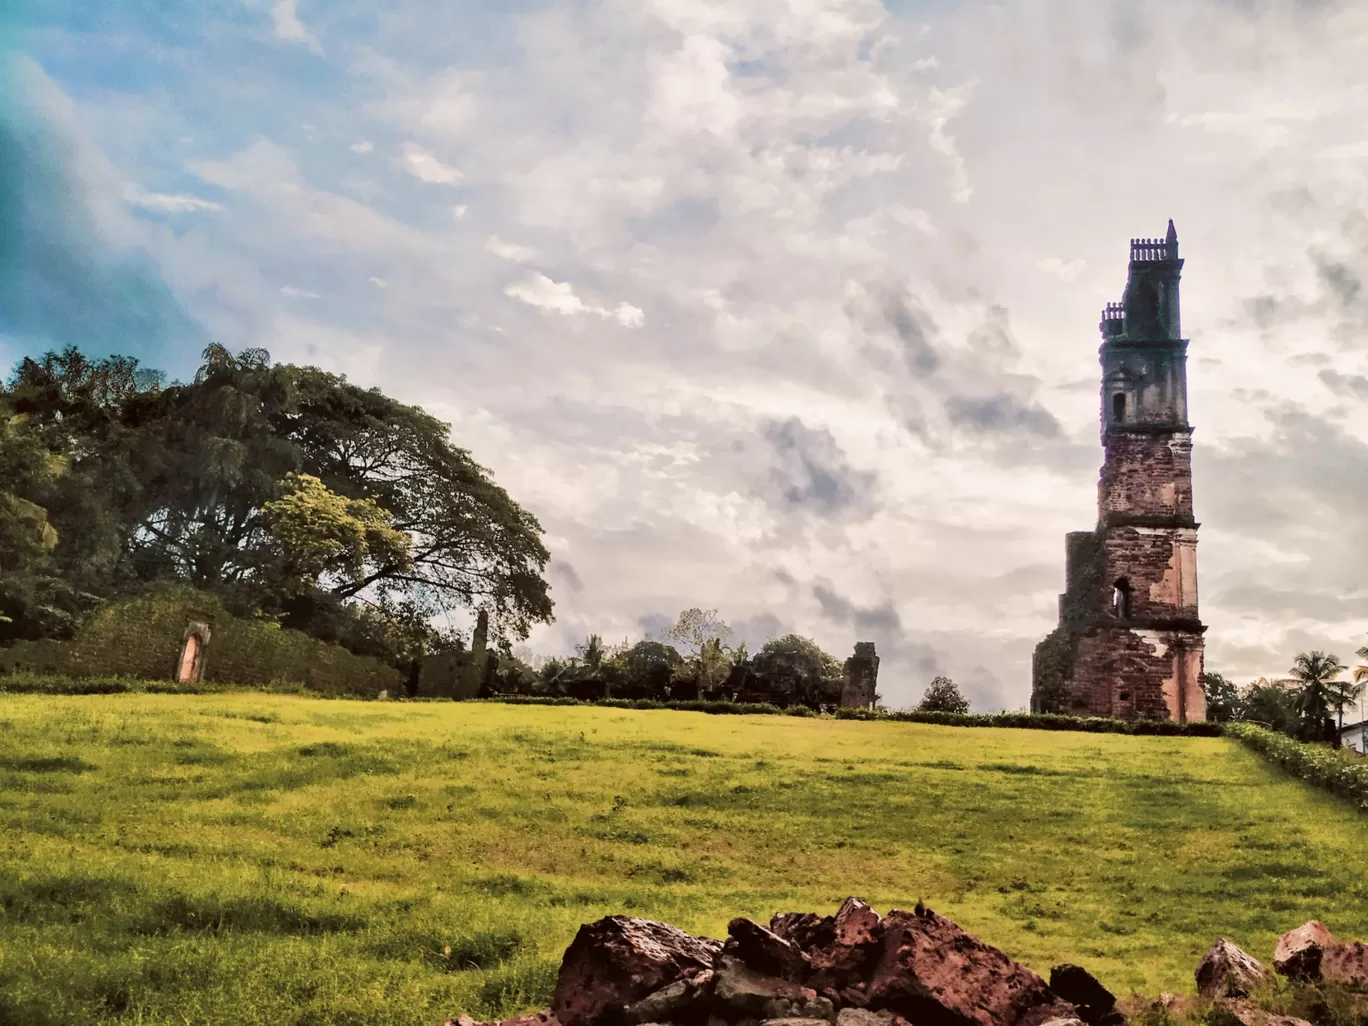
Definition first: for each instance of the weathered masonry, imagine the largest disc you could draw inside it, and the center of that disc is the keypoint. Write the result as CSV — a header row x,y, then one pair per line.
x,y
1129,641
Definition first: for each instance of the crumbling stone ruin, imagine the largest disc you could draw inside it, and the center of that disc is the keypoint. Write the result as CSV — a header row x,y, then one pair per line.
x,y
861,677
1129,641
858,968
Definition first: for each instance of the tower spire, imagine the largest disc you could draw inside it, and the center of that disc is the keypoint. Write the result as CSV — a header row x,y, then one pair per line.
x,y
1172,235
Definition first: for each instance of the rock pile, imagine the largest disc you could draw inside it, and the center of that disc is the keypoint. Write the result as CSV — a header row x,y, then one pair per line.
x,y
858,968
855,968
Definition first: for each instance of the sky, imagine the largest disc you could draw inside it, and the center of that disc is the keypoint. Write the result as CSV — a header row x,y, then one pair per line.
x,y
786,308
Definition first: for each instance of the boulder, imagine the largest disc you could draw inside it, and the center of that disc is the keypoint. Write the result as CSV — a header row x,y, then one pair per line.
x,y
1251,1014
842,959
1346,962
1095,1003
1298,954
1227,971
741,990
765,951
935,974
805,930
794,1022
674,1001
539,1019
864,1017
856,923
615,962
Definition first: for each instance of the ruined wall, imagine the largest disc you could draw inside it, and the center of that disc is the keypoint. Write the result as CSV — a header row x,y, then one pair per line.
x,y
1147,475
1159,565
1133,672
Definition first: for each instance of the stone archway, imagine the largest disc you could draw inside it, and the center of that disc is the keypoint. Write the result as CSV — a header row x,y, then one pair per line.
x,y
190,665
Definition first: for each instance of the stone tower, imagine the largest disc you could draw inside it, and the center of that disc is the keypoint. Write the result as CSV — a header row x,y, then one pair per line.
x,y
1129,641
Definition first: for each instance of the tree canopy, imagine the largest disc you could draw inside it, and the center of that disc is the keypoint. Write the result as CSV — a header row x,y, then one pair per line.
x,y
286,490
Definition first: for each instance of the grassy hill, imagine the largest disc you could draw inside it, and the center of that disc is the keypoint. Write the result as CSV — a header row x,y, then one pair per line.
x,y
270,859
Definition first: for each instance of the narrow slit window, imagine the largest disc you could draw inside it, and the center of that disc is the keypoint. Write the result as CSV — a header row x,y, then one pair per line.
x,y
1121,599
1119,407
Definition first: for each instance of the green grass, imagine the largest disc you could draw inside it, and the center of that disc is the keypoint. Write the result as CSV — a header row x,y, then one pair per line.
x,y
264,859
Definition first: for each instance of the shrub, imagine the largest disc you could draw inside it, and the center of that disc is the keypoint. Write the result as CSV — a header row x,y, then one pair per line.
x,y
141,639
1332,768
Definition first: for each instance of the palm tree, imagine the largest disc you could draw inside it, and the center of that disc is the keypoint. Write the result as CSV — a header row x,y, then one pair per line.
x,y
1316,673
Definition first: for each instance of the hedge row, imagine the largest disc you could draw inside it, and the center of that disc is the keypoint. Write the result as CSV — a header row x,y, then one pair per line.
x,y
1029,721
1330,767
1040,721
25,683
142,639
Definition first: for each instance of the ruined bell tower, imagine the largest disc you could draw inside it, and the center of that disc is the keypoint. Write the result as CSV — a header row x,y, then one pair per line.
x,y
1129,641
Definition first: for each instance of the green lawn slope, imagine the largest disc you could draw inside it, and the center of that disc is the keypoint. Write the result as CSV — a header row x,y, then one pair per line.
x,y
258,859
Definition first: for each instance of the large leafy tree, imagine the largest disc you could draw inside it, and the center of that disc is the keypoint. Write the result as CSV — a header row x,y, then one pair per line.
x,y
286,490
1223,701
943,695
1315,674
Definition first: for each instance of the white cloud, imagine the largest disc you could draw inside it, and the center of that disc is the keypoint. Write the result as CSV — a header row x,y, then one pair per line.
x,y
363,146
294,293
285,14
509,250
169,202
559,297
459,211
427,168
379,283
1061,270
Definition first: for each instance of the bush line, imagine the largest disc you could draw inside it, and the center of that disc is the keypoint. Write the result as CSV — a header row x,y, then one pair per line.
x,y
1328,767
1028,721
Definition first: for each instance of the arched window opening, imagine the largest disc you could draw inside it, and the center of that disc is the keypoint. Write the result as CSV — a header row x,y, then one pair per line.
x,y
1121,599
1119,407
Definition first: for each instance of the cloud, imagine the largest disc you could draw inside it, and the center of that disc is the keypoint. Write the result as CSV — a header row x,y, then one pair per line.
x,y
427,168
878,619
169,202
810,472
559,297
285,14
294,293
1061,270
361,146
1001,412
509,250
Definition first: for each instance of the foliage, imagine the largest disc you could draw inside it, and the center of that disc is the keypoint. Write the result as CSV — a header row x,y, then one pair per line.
x,y
348,862
322,537
1331,767
1315,673
1272,704
645,669
943,696
797,670
703,635
1223,701
283,490
141,638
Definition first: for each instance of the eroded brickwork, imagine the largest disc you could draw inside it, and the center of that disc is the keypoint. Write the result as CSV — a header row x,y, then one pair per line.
x,y
1129,640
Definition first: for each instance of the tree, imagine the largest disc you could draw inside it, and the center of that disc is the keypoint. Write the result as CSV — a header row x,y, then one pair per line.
x,y
1273,704
1223,702
943,696
703,634
645,669
795,669
1315,673
323,538
284,490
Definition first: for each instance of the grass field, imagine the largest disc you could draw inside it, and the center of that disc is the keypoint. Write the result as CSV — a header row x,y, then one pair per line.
x,y
278,860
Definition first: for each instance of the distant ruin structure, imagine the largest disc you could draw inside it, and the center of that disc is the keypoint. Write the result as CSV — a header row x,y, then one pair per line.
x,y
861,678
1129,642
190,664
